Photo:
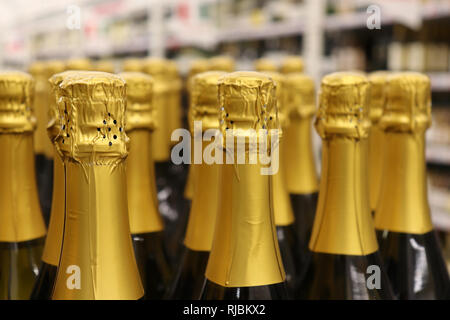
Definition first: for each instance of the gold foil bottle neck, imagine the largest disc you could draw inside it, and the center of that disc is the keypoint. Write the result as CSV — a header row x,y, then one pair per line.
x,y
133,65
247,100
408,104
343,106
198,66
91,106
377,98
280,93
204,101
105,66
79,64
264,64
140,111
300,94
16,100
222,63
292,64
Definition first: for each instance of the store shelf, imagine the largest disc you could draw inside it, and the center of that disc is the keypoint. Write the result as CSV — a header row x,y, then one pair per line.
x,y
438,154
440,218
440,81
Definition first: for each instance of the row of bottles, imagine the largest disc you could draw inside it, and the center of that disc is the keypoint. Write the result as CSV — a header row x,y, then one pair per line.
x,y
248,235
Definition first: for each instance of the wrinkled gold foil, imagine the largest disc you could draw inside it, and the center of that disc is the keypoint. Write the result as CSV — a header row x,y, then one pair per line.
x,y
96,235
142,201
292,64
16,101
281,96
133,65
343,222
158,69
205,177
403,201
377,100
203,100
91,107
140,112
245,247
298,158
20,211
343,106
408,105
221,63
265,64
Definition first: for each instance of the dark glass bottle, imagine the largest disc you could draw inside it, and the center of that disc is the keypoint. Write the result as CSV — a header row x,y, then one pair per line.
x,y
408,243
245,260
345,262
22,228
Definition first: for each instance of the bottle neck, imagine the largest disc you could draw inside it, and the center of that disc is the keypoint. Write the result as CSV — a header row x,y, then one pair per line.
x,y
53,241
403,202
202,217
301,174
20,212
375,161
283,213
97,252
343,222
141,185
245,248
161,136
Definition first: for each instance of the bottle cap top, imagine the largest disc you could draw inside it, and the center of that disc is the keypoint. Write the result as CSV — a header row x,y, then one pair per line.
x,y
158,68
265,64
132,65
247,101
222,63
16,100
36,68
91,106
343,106
408,105
79,64
292,64
140,113
300,94
198,66
204,99
377,98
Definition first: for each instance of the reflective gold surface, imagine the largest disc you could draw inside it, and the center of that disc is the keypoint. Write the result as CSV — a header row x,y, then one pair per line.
x,y
132,65
141,187
292,64
222,63
105,66
343,222
96,225
265,64
245,247
403,202
298,157
377,100
20,211
79,64
16,102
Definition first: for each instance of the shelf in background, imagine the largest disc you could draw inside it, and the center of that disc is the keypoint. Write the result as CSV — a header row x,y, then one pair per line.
x,y
440,81
438,154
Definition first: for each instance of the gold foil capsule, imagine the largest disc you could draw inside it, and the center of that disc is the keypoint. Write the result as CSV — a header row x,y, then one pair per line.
x,y
343,106
221,63
292,64
133,65
198,66
16,99
91,106
408,105
105,66
264,64
79,64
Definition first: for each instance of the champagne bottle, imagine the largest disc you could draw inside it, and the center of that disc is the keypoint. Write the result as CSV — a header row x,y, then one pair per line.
x,y
132,65
222,63
146,224
52,249
79,64
105,65
292,64
408,243
377,100
22,227
97,261
264,64
190,278
283,213
43,158
245,261
345,262
301,178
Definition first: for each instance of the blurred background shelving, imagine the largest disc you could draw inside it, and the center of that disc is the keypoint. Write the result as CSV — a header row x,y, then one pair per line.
x,y
331,35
